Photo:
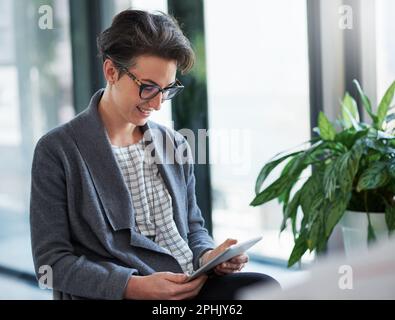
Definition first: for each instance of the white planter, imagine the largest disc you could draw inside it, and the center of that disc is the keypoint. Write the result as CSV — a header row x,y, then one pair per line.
x,y
355,230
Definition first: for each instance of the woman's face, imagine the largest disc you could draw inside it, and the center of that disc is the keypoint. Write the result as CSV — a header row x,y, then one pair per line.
x,y
125,92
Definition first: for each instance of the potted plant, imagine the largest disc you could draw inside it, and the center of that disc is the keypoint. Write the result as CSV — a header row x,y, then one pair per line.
x,y
352,169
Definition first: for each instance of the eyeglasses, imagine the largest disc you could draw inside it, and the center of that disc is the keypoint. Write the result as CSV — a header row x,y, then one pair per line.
x,y
148,91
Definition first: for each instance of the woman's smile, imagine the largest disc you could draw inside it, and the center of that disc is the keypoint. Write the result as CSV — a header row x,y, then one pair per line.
x,y
144,111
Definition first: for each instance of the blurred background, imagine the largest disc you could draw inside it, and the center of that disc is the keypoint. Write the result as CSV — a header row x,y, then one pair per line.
x,y
264,70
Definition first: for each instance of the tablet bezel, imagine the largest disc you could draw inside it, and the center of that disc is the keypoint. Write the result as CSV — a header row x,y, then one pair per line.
x,y
229,253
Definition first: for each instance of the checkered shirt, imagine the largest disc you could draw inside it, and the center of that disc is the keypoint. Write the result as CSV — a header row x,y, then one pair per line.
x,y
152,202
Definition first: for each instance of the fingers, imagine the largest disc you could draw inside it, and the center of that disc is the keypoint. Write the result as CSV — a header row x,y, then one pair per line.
x,y
222,247
199,281
175,277
189,289
190,295
242,258
228,267
195,292
233,265
227,243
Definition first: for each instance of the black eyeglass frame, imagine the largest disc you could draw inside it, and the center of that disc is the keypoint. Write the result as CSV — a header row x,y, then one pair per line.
x,y
178,86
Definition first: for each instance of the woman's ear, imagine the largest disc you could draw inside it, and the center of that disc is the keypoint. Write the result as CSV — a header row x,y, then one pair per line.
x,y
110,71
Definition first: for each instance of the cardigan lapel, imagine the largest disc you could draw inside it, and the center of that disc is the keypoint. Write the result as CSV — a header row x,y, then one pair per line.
x,y
91,138
164,151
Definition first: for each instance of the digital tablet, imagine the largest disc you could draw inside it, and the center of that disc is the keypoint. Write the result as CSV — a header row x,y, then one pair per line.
x,y
229,253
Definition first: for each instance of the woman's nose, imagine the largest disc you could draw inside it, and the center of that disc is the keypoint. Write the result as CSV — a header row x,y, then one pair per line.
x,y
156,102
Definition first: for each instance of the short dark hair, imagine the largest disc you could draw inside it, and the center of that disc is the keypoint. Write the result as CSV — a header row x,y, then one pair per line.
x,y
134,33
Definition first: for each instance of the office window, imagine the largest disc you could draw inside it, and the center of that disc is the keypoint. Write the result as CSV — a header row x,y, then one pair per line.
x,y
385,47
257,69
35,96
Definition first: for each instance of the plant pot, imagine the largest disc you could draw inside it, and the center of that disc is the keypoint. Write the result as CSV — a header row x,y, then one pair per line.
x,y
354,226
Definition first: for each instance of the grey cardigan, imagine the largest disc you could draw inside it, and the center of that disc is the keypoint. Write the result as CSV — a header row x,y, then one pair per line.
x,y
81,213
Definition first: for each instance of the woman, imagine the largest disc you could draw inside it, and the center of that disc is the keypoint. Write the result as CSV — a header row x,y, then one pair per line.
x,y
110,222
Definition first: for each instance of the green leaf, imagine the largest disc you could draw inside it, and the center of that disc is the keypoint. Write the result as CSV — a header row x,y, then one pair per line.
x,y
304,160
391,168
298,250
371,233
291,210
365,101
385,135
348,167
375,176
324,151
384,105
313,236
390,117
312,200
349,136
327,131
315,233
390,218
372,157
330,178
284,197
311,210
350,113
389,124
272,191
269,168
292,164
335,210
383,148
312,192
281,185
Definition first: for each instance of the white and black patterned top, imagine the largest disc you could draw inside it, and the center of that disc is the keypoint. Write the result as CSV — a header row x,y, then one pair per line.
x,y
152,202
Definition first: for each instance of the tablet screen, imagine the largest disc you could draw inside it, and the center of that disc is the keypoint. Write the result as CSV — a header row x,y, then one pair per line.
x,y
229,253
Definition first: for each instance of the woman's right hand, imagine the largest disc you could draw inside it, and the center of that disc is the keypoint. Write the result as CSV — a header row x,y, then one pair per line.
x,y
163,286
